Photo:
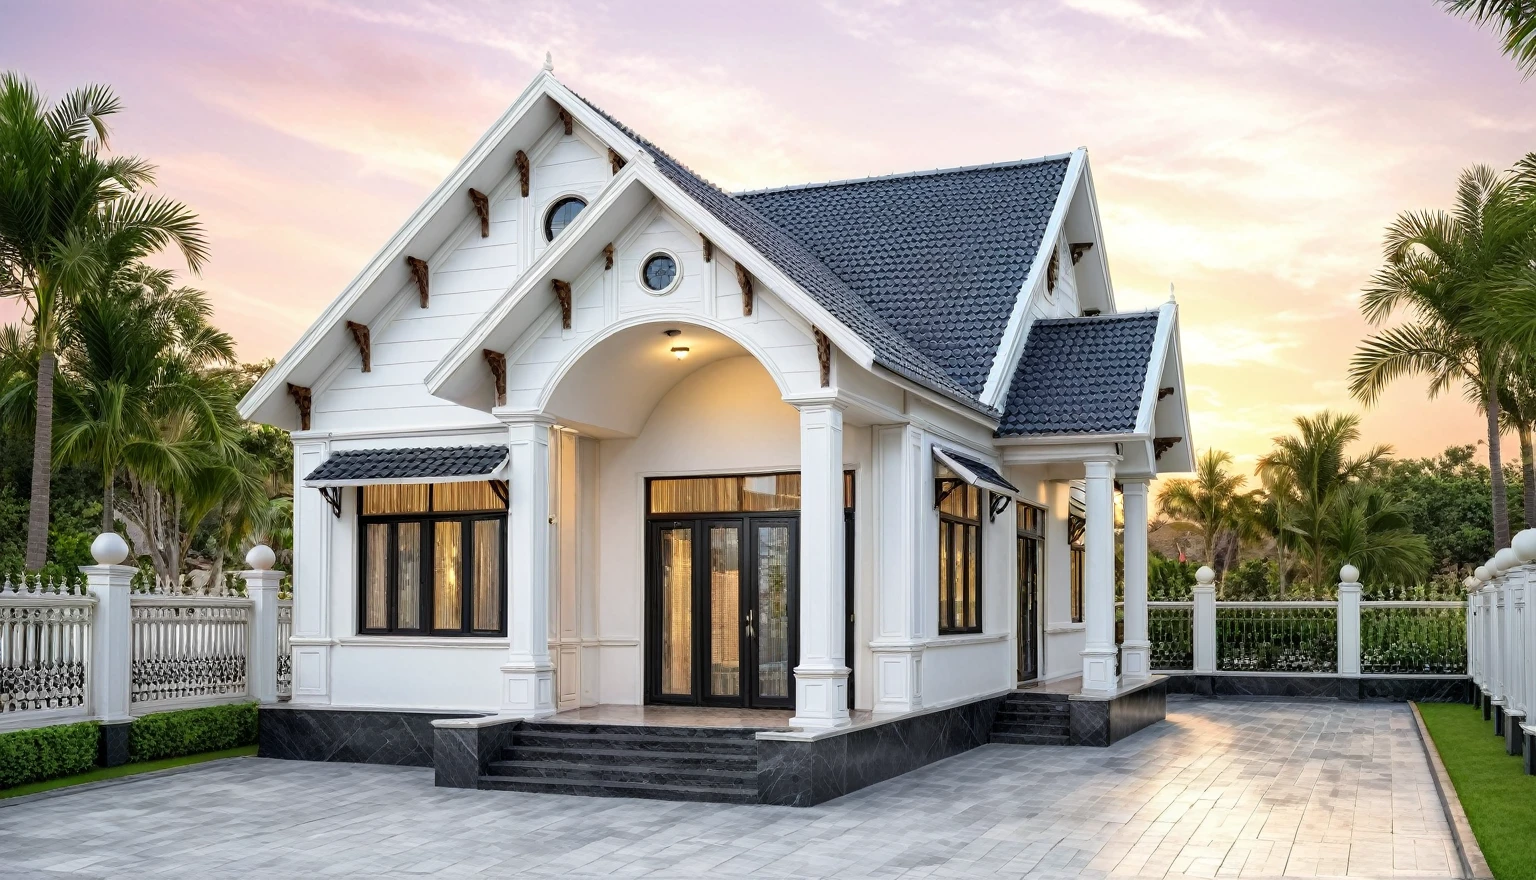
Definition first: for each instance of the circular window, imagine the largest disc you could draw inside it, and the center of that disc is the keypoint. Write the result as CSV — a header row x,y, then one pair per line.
x,y
659,273
560,215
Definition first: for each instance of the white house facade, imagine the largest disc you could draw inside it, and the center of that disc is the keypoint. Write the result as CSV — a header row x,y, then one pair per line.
x,y
589,432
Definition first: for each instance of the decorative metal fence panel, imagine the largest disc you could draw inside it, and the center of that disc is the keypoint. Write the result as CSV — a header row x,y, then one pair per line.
x,y
1413,638
45,645
1277,636
1171,630
284,650
186,648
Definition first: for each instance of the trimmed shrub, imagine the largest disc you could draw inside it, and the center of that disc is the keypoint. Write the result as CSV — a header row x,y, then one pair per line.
x,y
192,731
47,752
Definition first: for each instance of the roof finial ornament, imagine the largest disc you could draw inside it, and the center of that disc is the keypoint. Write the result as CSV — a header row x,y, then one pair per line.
x,y
549,62
1170,292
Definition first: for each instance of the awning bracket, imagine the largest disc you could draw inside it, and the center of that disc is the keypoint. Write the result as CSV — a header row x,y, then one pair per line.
x,y
332,496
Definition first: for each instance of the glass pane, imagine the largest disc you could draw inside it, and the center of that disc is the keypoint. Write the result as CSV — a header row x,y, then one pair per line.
x,y
696,495
946,574
659,272
408,576
1031,519
447,604
1077,585
561,215
465,496
773,611
376,594
486,614
848,490
963,501
725,611
771,492
677,611
395,499
972,583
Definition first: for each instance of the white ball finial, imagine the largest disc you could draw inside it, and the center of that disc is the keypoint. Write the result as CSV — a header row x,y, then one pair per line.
x,y
1471,583
549,62
1482,574
1525,546
1170,292
1205,576
261,558
1505,559
1349,574
109,548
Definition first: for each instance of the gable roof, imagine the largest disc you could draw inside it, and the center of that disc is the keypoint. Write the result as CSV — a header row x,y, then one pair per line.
x,y
893,350
940,255
1081,376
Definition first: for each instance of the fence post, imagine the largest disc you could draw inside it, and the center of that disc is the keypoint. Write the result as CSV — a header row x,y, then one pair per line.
x,y
261,585
1474,672
1348,627
111,662
1205,620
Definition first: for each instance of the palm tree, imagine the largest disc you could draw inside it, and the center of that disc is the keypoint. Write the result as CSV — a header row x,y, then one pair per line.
x,y
127,351
1272,511
65,210
1369,530
1213,500
1515,19
1316,463
1441,269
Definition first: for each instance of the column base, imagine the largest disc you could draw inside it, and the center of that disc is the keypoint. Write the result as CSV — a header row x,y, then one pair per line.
x,y
528,690
1514,736
898,678
1135,661
1099,672
821,698
1498,718
112,746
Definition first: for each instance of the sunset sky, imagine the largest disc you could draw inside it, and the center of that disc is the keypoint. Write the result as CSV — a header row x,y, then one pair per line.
x,y
1250,153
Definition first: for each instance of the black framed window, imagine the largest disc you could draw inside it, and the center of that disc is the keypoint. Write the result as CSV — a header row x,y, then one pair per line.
x,y
432,559
560,215
1031,547
960,506
1076,525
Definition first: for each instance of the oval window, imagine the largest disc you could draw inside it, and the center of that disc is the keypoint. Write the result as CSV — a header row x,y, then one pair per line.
x,y
659,272
560,215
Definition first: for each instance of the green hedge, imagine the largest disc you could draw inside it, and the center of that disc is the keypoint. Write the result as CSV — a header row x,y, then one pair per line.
x,y
47,752
190,731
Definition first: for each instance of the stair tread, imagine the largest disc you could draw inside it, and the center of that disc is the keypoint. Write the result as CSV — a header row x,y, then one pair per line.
x,y
504,766
1030,739
633,754
744,744
741,795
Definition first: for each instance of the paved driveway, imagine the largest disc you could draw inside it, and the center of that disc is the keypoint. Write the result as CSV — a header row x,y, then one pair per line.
x,y
1240,789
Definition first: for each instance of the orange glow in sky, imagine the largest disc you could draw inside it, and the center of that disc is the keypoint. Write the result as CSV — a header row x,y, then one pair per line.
x,y
1249,153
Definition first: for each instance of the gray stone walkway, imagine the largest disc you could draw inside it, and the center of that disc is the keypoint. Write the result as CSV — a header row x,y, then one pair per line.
x,y
1222,789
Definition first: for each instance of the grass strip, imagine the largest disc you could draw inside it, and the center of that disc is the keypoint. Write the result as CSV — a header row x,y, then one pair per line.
x,y
1499,798
102,773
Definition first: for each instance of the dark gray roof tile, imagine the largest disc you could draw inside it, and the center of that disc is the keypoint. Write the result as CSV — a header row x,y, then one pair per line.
x,y
435,462
1080,376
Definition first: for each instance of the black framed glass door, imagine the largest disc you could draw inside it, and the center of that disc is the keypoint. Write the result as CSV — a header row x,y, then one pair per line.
x,y
1031,549
721,613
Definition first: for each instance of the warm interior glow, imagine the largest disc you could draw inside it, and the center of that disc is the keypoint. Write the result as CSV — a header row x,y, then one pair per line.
x,y
681,351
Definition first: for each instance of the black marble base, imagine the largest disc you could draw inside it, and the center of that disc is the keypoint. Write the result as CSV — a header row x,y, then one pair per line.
x,y
1513,735
1498,720
1487,708
112,744
804,773
1102,722
1420,689
461,755
359,736
1528,752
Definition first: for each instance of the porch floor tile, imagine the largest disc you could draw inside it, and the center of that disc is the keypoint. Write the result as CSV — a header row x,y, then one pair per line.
x,y
1222,789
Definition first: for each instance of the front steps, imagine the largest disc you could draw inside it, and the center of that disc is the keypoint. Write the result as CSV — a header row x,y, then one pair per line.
x,y
716,764
1033,719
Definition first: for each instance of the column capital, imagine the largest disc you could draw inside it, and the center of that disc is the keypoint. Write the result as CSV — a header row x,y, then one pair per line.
x,y
1133,485
514,419
1100,468
817,401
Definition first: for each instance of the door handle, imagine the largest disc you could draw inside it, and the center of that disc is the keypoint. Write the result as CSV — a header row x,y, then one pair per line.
x,y
750,631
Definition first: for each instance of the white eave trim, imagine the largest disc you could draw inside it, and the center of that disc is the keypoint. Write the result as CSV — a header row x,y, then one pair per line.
x,y
1158,358
1005,360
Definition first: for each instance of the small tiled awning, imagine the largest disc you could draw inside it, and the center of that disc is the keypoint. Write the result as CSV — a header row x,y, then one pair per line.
x,y
976,473
435,464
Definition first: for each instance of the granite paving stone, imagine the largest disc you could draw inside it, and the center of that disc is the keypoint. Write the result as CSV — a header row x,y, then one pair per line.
x,y
1224,788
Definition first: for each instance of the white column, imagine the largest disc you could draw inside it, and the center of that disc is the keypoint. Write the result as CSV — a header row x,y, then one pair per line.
x,y
1136,650
527,678
1500,642
1348,624
111,669
1472,584
901,486
1204,616
313,525
821,678
1100,672
261,586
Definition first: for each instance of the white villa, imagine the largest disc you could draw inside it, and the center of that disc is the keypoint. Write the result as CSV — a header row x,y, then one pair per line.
x,y
589,432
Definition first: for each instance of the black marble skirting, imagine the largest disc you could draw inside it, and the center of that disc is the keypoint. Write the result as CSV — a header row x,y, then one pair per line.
x,y
1513,736
1425,689
1487,707
460,755
358,736
1102,722
1528,751
808,772
112,744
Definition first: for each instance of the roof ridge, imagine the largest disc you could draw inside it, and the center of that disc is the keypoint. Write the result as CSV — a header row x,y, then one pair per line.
x,y
931,172
1084,319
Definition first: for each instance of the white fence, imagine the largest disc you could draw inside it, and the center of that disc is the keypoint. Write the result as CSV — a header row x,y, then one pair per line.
x,y
73,651
1501,643
1346,636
